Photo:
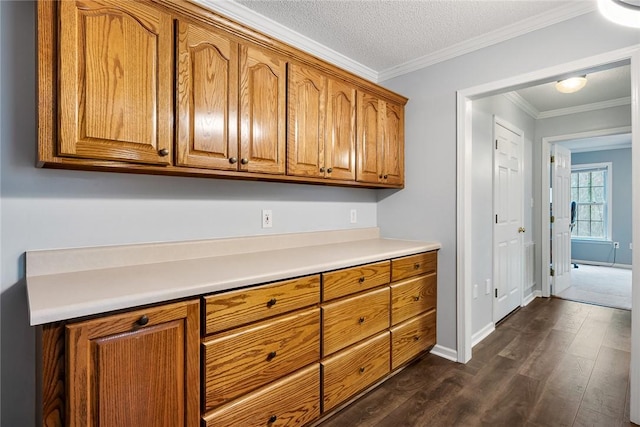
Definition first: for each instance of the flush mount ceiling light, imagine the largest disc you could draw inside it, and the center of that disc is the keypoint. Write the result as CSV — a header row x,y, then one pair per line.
x,y
572,84
623,12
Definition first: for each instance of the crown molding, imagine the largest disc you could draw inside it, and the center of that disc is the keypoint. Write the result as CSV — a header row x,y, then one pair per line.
x,y
523,104
534,23
585,107
248,17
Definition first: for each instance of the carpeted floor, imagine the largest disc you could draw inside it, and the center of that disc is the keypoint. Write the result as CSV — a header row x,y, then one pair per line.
x,y
607,286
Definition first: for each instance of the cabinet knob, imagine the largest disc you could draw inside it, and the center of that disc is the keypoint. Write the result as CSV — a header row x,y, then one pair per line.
x,y
163,152
362,370
361,280
143,320
272,355
416,338
244,161
330,170
271,302
233,160
322,169
416,298
386,176
416,266
380,177
273,418
361,320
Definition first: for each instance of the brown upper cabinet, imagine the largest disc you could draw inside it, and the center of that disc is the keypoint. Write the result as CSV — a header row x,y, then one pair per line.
x,y
116,82
168,87
380,141
322,125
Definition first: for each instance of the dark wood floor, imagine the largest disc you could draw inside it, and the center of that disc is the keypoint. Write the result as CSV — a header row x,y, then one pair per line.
x,y
552,363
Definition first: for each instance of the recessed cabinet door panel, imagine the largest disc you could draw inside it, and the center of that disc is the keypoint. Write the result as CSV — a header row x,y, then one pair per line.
x,y
307,92
340,142
369,138
115,88
393,170
262,111
207,92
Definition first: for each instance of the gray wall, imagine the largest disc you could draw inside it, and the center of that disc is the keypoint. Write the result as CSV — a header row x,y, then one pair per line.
x,y
621,208
53,209
482,195
426,209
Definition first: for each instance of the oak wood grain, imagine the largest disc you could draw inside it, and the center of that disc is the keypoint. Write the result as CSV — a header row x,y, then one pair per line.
x,y
412,337
339,283
340,133
51,376
393,144
369,141
412,297
414,265
230,309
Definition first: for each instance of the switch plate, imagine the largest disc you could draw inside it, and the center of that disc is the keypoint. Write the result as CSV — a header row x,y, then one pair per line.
x,y
267,218
475,290
616,245
487,286
353,216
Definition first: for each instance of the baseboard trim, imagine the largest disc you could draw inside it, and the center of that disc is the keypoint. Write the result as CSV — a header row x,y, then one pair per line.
x,y
482,334
533,295
601,264
445,352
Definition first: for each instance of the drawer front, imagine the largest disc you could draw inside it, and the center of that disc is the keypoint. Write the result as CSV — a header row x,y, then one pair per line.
x,y
350,371
412,297
414,265
412,337
344,282
235,308
350,320
239,361
291,401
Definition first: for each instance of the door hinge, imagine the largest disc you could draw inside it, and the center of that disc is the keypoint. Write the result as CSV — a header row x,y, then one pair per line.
x,y
496,144
552,272
496,292
496,218
552,219
553,159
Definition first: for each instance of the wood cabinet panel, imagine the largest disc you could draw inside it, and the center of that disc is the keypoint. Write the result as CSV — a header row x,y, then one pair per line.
x,y
230,309
139,368
393,142
352,370
412,297
291,401
347,281
340,135
116,90
206,98
414,265
244,359
263,77
412,337
350,320
370,130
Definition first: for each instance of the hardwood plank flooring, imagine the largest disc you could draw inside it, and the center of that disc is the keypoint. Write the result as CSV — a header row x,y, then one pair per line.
x,y
552,363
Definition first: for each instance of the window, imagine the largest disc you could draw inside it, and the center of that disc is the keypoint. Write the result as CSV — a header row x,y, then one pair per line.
x,y
590,189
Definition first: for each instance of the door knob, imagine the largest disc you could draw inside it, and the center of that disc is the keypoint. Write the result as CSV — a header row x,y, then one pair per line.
x,y
521,230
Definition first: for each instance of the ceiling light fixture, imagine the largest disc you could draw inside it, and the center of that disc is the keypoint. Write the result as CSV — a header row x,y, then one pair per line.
x,y
572,84
622,12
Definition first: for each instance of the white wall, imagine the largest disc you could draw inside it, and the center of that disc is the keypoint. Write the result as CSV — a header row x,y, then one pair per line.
x,y
43,208
482,195
426,209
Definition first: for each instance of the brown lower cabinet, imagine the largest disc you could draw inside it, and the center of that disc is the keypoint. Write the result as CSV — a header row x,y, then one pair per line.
x,y
301,348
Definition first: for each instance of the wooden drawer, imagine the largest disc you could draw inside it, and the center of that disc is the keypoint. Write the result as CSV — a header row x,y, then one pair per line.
x,y
235,308
414,265
412,297
291,401
239,361
336,284
412,337
350,320
352,370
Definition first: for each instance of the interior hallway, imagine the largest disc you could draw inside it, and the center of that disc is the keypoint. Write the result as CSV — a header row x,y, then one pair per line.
x,y
607,286
552,363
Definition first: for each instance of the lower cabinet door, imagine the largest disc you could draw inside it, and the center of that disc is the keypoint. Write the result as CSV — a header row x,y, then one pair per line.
x,y
412,337
352,370
291,401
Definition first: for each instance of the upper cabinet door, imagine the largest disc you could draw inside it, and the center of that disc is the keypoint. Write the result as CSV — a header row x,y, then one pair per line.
x,y
340,140
206,98
115,81
263,88
307,100
370,150
393,169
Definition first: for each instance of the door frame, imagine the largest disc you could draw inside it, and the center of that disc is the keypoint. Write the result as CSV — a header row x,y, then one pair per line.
x,y
498,121
464,206
545,170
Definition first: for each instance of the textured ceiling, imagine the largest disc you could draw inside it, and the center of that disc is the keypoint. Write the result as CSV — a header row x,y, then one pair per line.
x,y
381,34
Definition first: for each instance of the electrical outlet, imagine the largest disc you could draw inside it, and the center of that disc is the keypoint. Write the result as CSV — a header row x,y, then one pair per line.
x,y
267,218
487,286
353,218
616,245
631,246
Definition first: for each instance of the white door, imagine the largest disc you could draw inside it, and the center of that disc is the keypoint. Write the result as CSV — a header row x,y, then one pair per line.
x,y
561,214
508,227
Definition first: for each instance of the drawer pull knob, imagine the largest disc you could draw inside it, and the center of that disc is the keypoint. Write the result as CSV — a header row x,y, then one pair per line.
x,y
273,419
386,176
233,160
244,161
143,320
416,266
361,280
271,302
163,152
271,356
416,338
416,298
330,170
321,169
361,320
362,370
